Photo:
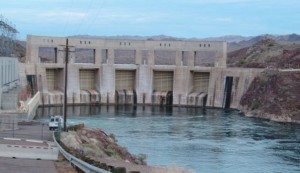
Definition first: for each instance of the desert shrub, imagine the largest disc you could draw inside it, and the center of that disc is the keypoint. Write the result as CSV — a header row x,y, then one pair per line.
x,y
255,105
113,137
141,159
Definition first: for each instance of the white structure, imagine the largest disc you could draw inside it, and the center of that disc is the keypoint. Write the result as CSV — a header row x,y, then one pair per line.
x,y
134,72
9,75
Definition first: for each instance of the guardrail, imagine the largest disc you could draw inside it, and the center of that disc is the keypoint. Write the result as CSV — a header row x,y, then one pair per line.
x,y
77,162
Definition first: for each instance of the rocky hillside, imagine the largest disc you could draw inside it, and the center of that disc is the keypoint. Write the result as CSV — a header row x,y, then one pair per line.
x,y
274,95
20,50
236,42
266,53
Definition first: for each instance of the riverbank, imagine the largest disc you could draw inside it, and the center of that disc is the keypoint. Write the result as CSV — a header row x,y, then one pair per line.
x,y
94,145
205,141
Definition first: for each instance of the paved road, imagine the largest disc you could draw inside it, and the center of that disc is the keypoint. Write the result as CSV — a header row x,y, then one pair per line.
x,y
9,165
29,130
34,131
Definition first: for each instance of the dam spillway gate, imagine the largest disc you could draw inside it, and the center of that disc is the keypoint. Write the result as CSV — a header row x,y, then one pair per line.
x,y
162,88
125,87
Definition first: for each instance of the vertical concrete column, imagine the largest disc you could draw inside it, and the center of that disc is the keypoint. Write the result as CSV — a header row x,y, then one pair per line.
x,y
61,54
98,56
151,58
72,55
9,71
181,85
97,79
1,76
240,88
138,57
31,51
42,84
0,97
224,57
42,81
73,84
107,84
221,60
144,82
13,70
179,58
111,56
216,88
5,71
191,58
34,54
1,82
21,72
211,88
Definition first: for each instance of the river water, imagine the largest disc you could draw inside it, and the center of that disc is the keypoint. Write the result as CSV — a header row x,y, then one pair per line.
x,y
211,141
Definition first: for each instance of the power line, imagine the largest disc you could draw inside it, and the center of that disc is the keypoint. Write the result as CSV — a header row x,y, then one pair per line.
x,y
67,23
8,35
82,21
96,15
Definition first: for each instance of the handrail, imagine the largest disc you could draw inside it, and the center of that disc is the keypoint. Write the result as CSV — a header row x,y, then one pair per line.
x,y
86,167
7,84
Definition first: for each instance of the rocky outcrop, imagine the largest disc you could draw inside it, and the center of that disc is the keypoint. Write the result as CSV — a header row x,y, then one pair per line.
x,y
99,149
274,95
97,144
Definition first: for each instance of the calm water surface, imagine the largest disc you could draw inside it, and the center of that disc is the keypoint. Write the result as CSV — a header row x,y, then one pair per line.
x,y
211,141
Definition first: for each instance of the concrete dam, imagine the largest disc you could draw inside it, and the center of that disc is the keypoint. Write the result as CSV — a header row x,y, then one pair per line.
x,y
129,72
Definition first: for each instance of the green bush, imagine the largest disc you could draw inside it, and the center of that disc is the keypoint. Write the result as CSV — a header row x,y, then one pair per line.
x,y
113,137
141,159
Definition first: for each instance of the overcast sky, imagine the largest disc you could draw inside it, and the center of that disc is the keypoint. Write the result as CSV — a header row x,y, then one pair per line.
x,y
178,18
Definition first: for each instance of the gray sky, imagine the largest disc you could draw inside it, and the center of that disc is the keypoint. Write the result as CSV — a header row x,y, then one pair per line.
x,y
178,18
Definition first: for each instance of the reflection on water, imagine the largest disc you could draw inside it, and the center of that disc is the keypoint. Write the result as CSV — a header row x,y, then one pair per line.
x,y
205,141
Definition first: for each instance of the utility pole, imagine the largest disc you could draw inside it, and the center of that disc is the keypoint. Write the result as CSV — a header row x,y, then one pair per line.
x,y
66,84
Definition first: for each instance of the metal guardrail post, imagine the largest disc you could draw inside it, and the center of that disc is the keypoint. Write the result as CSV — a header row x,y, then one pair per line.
x,y
59,130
